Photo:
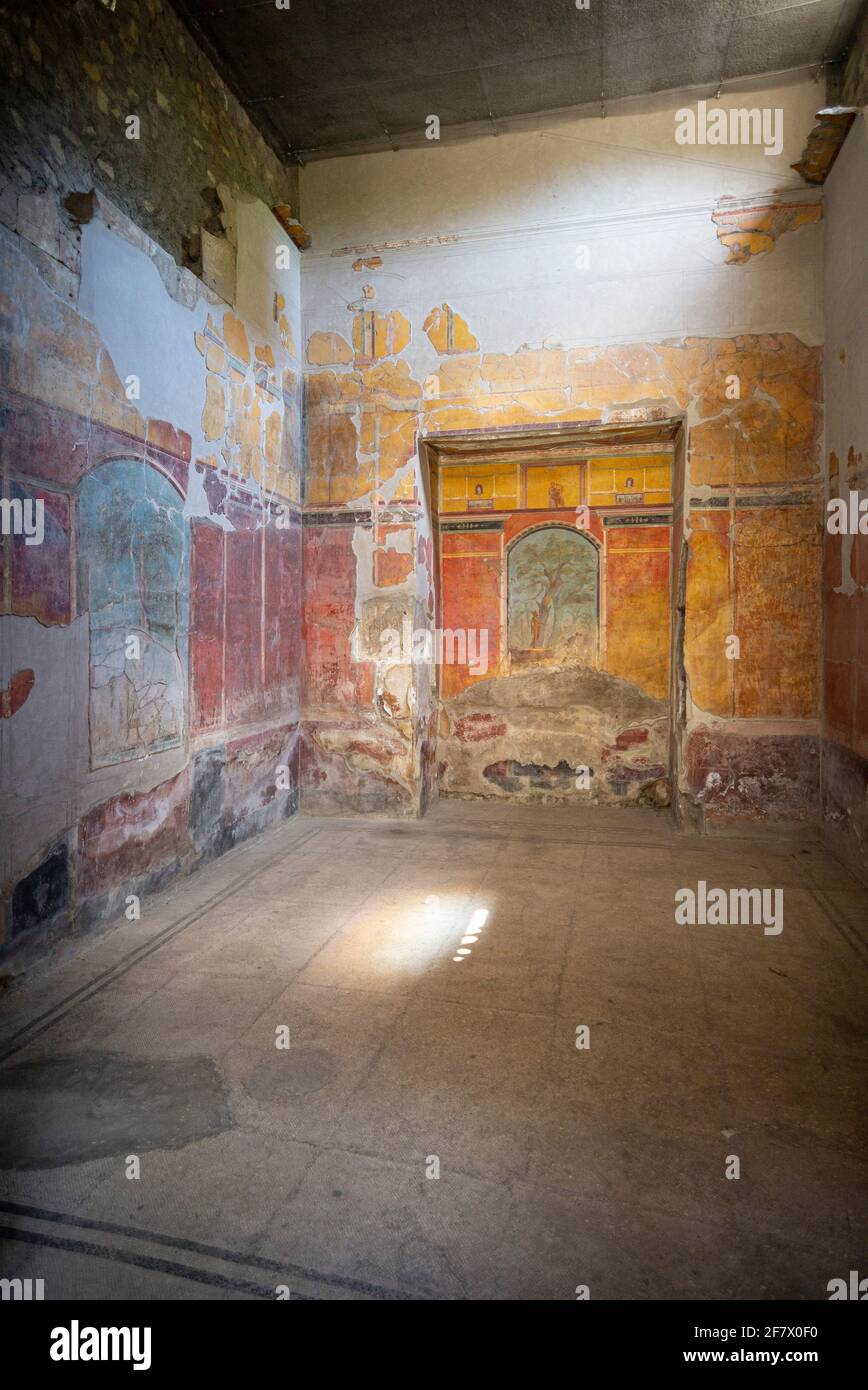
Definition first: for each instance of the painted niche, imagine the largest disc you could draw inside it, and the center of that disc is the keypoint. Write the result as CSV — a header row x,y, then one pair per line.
x,y
133,582
552,586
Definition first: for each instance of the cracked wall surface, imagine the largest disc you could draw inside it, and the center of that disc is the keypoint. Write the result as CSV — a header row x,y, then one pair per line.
x,y
574,734
496,303
754,231
248,495
751,503
150,646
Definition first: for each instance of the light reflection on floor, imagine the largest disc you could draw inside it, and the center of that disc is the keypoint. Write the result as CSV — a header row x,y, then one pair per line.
x,y
477,921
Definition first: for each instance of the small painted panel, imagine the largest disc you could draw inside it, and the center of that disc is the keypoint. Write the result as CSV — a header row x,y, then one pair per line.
x,y
637,615
554,486
479,487
553,581
630,480
472,570
333,675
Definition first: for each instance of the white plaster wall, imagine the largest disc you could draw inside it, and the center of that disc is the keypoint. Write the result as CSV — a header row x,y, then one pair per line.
x,y
558,168
150,335
260,270
515,208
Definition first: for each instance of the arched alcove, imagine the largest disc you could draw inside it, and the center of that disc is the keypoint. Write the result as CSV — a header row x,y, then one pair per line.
x,y
552,598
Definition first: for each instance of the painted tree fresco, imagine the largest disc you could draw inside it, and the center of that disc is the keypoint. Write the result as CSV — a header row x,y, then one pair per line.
x,y
553,581
133,581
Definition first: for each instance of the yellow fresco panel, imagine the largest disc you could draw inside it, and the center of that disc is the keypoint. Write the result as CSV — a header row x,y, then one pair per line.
x,y
453,484
651,476
658,478
553,487
601,477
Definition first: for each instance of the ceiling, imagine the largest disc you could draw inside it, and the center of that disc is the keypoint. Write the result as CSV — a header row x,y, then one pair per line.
x,y
329,77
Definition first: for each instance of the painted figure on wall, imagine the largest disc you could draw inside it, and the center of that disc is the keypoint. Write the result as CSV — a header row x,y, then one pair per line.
x,y
133,582
553,582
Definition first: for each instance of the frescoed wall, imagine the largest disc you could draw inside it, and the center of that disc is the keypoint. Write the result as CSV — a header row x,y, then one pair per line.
x,y
151,644
284,496
573,607
482,303
150,402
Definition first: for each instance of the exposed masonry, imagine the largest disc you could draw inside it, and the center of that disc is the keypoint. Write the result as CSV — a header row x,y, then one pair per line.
x,y
824,143
75,73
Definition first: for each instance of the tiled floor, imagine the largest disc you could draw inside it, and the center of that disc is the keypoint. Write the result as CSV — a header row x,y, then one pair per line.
x,y
309,1168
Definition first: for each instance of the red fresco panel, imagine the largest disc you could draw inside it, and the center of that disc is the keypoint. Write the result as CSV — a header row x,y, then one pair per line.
x,y
243,693
471,599
207,580
332,675
281,618
41,573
